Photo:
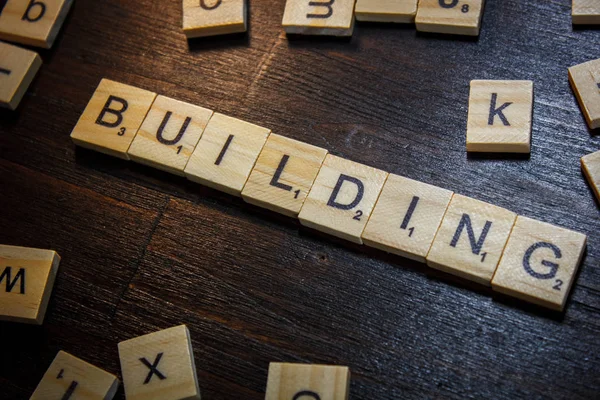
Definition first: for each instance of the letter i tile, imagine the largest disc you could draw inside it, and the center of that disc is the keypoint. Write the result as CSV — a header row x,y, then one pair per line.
x,y
539,263
169,134
159,366
342,198
471,239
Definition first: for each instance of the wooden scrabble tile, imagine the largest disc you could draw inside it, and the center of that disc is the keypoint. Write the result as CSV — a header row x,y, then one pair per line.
x,y
304,381
283,175
169,134
71,378
26,281
402,11
590,165
586,12
585,81
458,17
112,118
213,17
406,217
33,22
471,239
342,198
500,115
18,67
159,366
327,17
539,263
226,153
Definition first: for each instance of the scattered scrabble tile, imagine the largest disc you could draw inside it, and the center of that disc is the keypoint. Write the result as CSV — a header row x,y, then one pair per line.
x,y
112,118
471,239
500,116
406,217
18,67
226,153
458,17
539,263
26,280
307,382
283,175
585,81
342,198
213,17
327,17
169,134
402,11
71,378
586,12
159,366
591,168
33,22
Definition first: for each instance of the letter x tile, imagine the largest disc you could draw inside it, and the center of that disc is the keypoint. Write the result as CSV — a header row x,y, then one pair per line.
x,y
539,263
159,366
342,198
471,239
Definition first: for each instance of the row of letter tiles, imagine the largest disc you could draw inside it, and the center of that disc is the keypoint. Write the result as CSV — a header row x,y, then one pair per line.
x,y
591,169
33,22
451,232
585,81
28,276
18,67
214,17
586,12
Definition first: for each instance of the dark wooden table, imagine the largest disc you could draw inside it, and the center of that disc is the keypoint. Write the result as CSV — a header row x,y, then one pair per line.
x,y
143,250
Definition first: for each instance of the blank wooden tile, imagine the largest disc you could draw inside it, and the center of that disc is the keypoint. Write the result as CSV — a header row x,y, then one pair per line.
x,y
226,154
328,17
18,67
213,17
159,366
283,175
585,81
33,22
71,378
342,198
402,11
539,263
458,17
586,12
406,217
500,115
307,382
471,239
112,118
169,134
590,165
26,280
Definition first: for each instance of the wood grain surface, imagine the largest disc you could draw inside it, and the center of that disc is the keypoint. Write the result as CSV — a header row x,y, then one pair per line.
x,y
143,250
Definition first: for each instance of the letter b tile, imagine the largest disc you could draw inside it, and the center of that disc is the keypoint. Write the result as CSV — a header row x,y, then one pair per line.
x,y
159,366
539,263
342,198
471,239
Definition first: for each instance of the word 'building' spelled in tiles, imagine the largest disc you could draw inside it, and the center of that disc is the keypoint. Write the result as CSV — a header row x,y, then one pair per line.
x,y
26,279
451,232
305,381
71,378
500,114
328,17
585,81
18,67
33,22
458,17
586,12
399,11
214,17
159,366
